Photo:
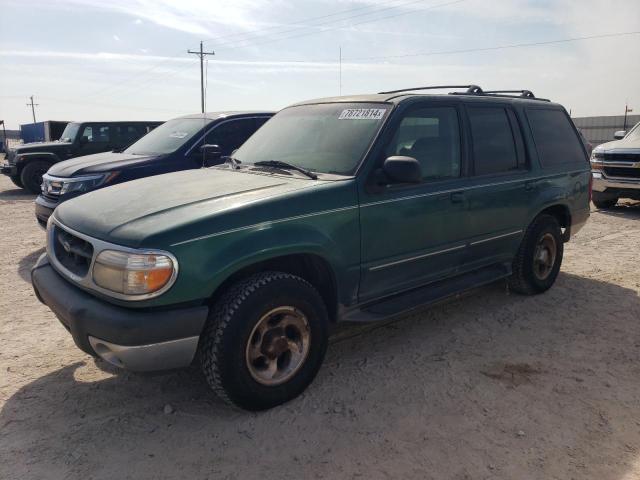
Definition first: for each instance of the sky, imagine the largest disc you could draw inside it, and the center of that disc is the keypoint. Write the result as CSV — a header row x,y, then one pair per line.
x,y
127,59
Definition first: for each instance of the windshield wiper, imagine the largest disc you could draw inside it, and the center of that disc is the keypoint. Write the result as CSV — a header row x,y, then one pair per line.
x,y
286,166
234,162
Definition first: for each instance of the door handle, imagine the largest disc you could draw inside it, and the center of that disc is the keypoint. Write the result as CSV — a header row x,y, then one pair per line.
x,y
457,197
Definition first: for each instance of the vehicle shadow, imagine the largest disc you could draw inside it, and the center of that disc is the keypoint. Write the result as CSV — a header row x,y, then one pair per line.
x,y
26,263
16,194
625,208
491,385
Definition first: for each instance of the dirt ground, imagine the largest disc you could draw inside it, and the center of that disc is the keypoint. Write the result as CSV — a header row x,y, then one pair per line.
x,y
490,385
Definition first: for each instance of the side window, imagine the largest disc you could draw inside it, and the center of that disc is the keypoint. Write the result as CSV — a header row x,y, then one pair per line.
x,y
96,134
127,134
494,149
432,136
231,134
555,139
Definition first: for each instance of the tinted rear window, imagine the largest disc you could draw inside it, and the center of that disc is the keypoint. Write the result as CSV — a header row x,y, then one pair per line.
x,y
556,141
494,150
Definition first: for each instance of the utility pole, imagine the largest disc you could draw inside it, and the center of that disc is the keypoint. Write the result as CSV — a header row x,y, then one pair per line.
x,y
626,110
33,108
201,54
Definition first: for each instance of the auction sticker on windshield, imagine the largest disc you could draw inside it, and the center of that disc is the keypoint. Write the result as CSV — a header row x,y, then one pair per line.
x,y
362,114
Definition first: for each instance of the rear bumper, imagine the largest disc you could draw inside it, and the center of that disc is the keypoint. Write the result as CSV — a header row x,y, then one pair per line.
x,y
44,209
138,340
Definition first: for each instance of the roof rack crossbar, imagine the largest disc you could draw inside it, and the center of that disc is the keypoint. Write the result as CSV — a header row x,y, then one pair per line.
x,y
470,89
523,93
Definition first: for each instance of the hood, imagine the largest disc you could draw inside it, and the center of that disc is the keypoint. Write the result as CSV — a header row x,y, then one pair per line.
x,y
40,146
97,163
627,143
175,205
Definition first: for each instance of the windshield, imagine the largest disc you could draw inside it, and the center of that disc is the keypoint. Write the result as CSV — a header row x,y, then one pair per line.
x,y
70,132
324,138
634,134
168,137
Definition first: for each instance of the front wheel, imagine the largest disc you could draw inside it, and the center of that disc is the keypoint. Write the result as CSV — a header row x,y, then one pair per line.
x,y
604,200
16,181
265,340
31,175
539,257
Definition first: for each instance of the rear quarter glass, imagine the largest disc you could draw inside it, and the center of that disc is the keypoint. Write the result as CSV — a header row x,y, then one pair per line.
x,y
555,139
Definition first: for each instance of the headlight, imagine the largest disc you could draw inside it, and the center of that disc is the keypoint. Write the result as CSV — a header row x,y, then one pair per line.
x,y
86,183
134,273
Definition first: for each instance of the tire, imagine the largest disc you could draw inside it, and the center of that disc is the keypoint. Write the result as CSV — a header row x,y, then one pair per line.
x,y
603,200
240,347
16,180
31,175
537,263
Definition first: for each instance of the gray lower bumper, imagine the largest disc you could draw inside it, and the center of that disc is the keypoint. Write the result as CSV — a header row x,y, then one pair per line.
x,y
140,358
602,183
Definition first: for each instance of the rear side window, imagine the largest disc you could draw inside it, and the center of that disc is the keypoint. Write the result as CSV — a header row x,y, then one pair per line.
x,y
556,141
494,149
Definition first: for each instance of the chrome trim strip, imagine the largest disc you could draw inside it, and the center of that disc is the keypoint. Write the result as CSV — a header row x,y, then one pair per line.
x,y
471,187
264,224
485,240
99,246
418,257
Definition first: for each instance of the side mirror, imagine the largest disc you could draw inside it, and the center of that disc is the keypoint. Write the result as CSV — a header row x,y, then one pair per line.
x,y
211,154
402,169
619,134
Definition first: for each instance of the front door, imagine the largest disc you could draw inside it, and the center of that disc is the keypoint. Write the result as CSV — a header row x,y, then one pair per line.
x,y
94,138
413,234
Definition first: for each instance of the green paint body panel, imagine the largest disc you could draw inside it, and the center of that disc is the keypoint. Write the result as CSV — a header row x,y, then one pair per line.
x,y
377,242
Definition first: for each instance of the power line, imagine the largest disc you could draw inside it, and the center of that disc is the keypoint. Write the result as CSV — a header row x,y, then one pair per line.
x,y
201,54
499,47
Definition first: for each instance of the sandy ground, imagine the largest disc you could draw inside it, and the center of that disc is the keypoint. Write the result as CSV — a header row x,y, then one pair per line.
x,y
491,385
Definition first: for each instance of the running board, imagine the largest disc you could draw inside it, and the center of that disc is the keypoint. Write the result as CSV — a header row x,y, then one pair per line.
x,y
406,302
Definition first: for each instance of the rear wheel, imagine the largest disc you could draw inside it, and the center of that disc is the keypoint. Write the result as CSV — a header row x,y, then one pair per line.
x,y
539,257
604,200
264,341
16,180
31,175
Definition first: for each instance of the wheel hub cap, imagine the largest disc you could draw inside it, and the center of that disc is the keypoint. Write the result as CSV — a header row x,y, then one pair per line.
x,y
278,345
544,257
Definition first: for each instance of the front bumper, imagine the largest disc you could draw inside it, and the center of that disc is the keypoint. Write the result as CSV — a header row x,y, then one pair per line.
x,y
44,209
602,183
134,339
9,169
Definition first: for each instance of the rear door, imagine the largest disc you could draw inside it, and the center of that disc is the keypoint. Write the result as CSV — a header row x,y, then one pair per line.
x,y
95,138
413,234
500,188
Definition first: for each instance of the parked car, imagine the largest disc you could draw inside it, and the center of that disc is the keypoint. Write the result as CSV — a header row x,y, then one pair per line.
x,y
176,145
27,163
351,208
616,169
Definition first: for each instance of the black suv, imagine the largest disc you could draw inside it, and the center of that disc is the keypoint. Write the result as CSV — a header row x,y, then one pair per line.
x,y
27,163
184,143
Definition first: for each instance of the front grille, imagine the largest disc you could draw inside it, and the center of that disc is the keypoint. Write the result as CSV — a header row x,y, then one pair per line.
x,y
622,157
72,252
622,172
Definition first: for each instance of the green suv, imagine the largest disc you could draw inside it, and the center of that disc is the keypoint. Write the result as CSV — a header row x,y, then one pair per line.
x,y
341,209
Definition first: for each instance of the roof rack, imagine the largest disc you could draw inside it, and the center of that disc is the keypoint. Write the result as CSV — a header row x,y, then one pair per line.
x,y
470,88
475,90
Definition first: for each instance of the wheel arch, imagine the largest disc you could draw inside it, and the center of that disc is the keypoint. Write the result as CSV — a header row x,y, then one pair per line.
x,y
562,213
311,267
